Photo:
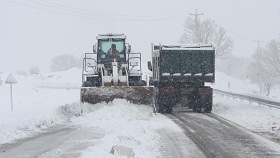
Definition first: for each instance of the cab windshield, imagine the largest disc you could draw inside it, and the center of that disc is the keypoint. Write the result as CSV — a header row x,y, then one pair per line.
x,y
110,50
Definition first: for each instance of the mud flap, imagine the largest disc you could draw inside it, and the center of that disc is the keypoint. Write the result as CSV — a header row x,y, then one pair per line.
x,y
134,94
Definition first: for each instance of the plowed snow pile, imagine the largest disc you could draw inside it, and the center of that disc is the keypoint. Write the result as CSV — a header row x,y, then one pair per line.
x,y
128,129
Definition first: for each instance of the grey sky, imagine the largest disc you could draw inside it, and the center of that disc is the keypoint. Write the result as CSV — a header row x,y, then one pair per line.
x,y
32,32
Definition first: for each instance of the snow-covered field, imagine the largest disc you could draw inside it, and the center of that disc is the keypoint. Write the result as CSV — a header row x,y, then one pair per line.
x,y
258,118
33,108
51,99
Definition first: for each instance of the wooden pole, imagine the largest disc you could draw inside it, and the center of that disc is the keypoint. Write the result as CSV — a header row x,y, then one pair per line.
x,y
12,108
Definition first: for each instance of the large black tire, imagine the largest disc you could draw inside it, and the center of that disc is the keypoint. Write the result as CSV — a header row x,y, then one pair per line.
x,y
165,109
159,108
208,109
138,83
93,82
208,106
168,108
87,84
165,106
201,106
196,103
163,102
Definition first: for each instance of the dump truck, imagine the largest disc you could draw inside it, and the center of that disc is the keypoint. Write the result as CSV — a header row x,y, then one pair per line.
x,y
113,71
179,74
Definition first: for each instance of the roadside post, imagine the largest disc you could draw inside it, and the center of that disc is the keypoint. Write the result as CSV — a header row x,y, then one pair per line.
x,y
11,80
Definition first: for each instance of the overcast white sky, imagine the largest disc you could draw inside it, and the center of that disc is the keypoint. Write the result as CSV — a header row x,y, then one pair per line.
x,y
32,32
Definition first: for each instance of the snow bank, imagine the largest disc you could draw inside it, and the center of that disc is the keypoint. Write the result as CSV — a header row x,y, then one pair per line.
x,y
257,118
126,125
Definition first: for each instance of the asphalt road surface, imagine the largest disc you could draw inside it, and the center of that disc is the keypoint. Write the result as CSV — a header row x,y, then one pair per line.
x,y
219,138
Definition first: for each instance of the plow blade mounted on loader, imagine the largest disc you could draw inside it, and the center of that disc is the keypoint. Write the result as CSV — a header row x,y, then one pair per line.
x,y
112,71
134,94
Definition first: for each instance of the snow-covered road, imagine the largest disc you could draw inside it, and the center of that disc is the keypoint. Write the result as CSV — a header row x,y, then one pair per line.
x,y
54,142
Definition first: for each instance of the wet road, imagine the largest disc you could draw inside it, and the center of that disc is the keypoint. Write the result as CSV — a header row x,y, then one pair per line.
x,y
219,138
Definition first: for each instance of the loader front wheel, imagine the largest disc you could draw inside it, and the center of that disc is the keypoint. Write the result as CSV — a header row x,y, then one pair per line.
x,y
87,84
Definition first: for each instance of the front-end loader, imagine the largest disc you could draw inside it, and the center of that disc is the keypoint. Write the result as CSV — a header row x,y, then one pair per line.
x,y
113,71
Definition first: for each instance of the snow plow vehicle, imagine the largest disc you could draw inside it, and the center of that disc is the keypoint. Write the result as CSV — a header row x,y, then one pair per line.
x,y
179,76
113,71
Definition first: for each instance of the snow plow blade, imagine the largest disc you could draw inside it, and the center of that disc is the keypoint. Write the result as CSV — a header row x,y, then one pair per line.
x,y
134,94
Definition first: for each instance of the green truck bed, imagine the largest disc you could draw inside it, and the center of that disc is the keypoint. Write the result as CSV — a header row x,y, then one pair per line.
x,y
187,64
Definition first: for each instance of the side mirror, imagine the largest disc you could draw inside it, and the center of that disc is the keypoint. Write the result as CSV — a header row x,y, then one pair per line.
x,y
150,66
129,49
93,49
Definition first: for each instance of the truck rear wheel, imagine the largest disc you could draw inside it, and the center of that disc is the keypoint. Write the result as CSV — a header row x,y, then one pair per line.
x,y
166,108
162,106
196,106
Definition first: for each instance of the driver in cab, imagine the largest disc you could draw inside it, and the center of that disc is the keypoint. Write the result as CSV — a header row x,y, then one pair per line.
x,y
113,52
